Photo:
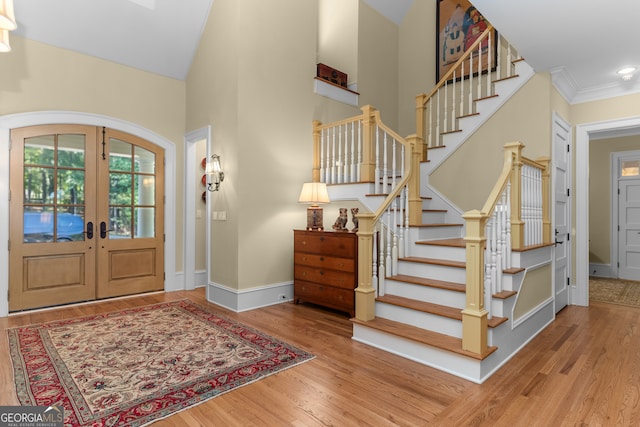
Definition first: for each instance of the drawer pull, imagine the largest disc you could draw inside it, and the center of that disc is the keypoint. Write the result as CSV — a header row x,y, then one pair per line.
x,y
321,258
322,239
321,272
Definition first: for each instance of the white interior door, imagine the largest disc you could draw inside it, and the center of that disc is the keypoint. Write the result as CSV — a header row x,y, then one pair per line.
x,y
629,220
561,212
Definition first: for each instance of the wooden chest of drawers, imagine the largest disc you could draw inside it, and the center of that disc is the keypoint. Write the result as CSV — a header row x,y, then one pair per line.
x,y
325,268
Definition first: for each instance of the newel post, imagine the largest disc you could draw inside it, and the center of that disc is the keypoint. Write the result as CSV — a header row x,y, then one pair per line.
x,y
517,225
415,202
474,315
420,125
365,293
546,197
368,167
315,174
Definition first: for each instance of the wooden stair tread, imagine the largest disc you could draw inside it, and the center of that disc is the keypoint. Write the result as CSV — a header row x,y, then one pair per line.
x,y
468,115
433,283
436,261
513,270
504,294
515,76
431,308
532,247
435,210
433,339
456,243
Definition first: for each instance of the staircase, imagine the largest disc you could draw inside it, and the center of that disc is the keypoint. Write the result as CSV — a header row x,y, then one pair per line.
x,y
421,293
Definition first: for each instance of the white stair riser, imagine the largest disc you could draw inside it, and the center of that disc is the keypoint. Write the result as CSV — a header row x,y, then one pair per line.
x,y
433,233
425,293
433,271
502,307
464,367
434,217
428,321
439,252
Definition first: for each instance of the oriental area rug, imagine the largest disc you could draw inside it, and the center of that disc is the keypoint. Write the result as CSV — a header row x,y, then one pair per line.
x,y
614,291
135,366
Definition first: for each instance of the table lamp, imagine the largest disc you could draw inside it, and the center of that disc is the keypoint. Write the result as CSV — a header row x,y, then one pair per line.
x,y
314,193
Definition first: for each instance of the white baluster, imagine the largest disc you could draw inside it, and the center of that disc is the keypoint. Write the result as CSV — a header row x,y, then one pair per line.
x,y
347,161
359,178
382,274
438,119
353,152
374,268
385,168
462,109
479,78
394,168
430,115
323,175
389,241
333,157
489,91
445,120
406,219
339,157
377,177
453,102
499,62
471,80
508,215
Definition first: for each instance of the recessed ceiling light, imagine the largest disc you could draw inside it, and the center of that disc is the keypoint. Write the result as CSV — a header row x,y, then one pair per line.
x,y
626,70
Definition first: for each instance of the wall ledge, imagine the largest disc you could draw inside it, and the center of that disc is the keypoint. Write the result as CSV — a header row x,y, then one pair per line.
x,y
335,92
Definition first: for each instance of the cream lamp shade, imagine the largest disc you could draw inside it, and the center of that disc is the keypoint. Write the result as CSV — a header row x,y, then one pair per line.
x,y
314,193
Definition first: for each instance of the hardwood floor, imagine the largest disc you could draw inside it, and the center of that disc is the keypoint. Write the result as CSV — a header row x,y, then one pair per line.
x,y
584,370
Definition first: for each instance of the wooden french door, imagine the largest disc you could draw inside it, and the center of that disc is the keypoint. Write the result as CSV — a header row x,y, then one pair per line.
x,y
86,215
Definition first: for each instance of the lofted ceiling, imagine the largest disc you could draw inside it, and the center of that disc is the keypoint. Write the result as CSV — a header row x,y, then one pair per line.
x,y
581,42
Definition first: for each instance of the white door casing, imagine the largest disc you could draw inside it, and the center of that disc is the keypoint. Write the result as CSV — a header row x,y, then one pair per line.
x,y
561,206
9,122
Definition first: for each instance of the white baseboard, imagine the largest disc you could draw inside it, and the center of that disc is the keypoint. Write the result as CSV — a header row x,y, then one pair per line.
x,y
600,270
249,299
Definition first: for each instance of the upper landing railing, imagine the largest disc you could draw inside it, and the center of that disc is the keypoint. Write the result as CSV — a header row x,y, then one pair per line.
x,y
468,80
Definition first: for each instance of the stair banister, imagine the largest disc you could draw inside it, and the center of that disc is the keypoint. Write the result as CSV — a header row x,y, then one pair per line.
x,y
423,99
475,315
365,292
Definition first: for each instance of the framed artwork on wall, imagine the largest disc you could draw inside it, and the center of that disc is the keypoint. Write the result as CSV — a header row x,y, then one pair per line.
x,y
459,24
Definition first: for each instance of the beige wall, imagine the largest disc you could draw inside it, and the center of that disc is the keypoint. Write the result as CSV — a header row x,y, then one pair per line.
x,y
378,62
526,117
338,36
257,95
536,289
600,193
416,61
39,77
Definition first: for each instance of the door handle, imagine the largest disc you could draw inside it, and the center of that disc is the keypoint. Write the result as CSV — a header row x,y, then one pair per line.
x,y
558,243
103,230
89,231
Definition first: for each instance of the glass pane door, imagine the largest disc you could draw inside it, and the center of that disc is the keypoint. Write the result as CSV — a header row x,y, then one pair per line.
x,y
54,186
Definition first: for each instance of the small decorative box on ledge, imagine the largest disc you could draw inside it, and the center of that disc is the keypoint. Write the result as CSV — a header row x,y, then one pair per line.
x,y
332,75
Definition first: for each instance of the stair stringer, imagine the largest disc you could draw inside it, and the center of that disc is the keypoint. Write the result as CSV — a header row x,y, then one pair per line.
x,y
485,108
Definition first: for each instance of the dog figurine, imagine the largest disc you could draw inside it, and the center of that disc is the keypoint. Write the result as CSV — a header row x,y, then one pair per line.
x,y
341,221
354,218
